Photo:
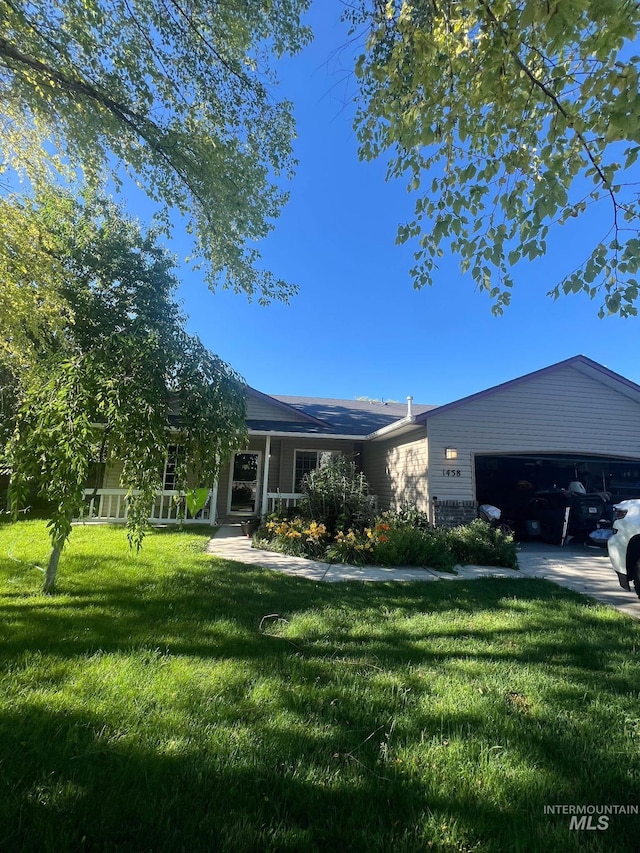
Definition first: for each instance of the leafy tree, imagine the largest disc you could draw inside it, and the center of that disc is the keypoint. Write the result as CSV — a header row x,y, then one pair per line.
x,y
113,378
31,306
514,116
179,93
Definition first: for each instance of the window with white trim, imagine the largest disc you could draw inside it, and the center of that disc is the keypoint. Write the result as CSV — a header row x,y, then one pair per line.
x,y
308,460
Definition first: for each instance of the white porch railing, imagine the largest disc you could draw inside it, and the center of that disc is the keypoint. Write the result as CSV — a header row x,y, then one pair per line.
x,y
111,505
277,501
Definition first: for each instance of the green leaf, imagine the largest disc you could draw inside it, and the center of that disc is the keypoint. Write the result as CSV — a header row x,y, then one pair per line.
x,y
517,107
181,97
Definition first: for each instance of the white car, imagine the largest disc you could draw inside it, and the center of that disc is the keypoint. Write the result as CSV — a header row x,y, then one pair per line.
x,y
624,544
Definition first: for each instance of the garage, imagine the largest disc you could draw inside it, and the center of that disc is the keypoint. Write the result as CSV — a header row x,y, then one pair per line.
x,y
531,488
572,427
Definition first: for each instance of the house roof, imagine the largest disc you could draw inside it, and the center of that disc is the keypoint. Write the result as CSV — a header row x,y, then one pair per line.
x,y
580,362
350,417
376,419
279,403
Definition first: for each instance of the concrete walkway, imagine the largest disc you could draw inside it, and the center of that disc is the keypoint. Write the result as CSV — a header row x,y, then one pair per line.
x,y
575,567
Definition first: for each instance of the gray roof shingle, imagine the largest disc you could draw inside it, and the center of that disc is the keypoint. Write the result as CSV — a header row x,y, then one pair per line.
x,y
349,417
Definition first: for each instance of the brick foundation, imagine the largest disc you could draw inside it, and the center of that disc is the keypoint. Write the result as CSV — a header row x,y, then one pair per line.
x,y
453,513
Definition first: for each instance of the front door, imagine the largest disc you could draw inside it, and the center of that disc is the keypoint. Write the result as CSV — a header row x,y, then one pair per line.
x,y
244,489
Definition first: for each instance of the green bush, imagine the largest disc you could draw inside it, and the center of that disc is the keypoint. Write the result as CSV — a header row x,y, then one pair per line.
x,y
483,545
337,496
389,541
409,546
408,515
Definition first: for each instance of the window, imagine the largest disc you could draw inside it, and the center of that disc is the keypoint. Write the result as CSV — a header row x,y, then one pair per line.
x,y
175,456
309,460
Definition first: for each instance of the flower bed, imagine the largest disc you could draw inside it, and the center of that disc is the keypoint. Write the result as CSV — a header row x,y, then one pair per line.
x,y
389,541
335,522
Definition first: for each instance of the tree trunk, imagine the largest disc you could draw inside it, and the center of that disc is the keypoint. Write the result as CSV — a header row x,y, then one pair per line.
x,y
52,570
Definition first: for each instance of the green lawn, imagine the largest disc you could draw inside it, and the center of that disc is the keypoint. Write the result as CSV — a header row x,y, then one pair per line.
x,y
174,701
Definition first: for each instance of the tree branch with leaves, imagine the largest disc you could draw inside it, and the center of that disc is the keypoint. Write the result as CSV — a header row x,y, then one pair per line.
x,y
178,94
514,117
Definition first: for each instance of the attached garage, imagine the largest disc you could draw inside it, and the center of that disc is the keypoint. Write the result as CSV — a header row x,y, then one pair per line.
x,y
507,479
521,484
575,421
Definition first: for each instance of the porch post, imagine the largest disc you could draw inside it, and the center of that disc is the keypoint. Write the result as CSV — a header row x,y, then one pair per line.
x,y
265,476
213,505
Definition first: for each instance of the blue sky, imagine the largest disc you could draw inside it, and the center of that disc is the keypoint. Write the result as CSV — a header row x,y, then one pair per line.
x,y
357,327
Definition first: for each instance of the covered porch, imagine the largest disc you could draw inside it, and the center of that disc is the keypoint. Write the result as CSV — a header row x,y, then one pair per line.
x,y
266,477
259,480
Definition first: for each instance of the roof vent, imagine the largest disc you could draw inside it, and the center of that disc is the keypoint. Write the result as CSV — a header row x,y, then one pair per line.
x,y
409,411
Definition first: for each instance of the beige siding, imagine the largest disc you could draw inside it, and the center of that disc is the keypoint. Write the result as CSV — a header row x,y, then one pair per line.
x,y
112,474
274,464
397,470
262,410
561,412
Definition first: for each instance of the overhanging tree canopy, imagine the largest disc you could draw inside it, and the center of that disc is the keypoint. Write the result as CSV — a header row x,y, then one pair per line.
x,y
178,92
110,381
512,116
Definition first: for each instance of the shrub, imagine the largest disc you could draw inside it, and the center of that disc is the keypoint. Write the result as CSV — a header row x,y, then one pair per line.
x,y
282,510
389,542
402,545
482,544
337,496
408,515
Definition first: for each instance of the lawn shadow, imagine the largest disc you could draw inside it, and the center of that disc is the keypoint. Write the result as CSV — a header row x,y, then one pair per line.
x,y
70,784
298,745
181,612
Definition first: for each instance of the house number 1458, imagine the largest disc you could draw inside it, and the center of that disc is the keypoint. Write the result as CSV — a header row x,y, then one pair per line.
x,y
451,472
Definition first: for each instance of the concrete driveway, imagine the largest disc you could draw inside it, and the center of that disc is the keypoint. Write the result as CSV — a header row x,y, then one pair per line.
x,y
580,568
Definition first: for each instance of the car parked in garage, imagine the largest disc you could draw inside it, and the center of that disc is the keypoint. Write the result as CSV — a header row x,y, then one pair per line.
x,y
624,544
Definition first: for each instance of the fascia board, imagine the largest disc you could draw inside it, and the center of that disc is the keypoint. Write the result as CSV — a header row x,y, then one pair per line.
x,y
403,425
306,435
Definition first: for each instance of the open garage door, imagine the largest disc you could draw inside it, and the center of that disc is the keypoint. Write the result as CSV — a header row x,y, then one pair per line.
x,y
517,483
